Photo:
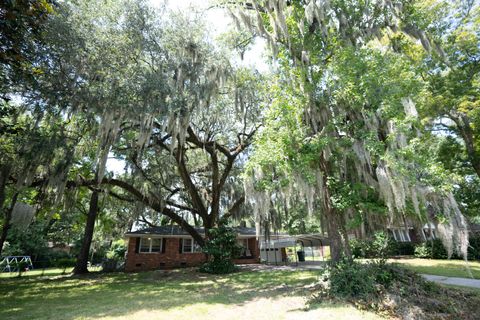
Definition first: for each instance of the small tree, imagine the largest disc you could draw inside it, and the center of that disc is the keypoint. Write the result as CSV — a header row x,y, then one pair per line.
x,y
222,248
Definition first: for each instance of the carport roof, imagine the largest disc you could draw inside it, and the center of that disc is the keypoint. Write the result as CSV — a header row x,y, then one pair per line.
x,y
313,240
307,240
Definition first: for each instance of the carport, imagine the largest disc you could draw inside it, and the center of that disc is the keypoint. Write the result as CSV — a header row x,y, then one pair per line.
x,y
271,250
311,241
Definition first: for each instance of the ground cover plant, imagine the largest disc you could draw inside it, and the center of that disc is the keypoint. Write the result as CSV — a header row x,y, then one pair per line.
x,y
394,292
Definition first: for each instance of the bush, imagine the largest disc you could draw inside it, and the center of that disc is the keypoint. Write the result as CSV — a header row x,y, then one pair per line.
x,y
349,279
393,292
474,249
380,246
117,250
422,250
358,248
435,250
50,259
402,248
431,250
222,248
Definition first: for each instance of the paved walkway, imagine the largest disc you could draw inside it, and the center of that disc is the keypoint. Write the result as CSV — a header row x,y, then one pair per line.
x,y
315,265
464,282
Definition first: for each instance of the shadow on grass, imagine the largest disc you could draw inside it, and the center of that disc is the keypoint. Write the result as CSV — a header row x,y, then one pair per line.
x,y
120,294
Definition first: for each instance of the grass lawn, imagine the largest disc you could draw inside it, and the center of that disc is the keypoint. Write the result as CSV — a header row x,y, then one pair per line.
x,y
179,294
43,272
448,268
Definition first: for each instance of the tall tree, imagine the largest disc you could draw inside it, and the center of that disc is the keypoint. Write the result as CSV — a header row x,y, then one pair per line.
x,y
152,89
36,154
356,130
452,97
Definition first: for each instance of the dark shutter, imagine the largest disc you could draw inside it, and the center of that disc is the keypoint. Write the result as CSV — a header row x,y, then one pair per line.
x,y
180,247
164,244
137,244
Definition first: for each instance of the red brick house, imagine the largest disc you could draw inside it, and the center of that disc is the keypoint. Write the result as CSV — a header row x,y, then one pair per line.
x,y
171,247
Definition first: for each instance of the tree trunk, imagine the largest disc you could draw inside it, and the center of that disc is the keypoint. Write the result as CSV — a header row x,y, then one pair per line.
x,y
339,247
6,222
81,266
4,173
463,124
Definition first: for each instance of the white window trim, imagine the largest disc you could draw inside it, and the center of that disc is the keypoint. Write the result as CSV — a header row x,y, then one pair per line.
x,y
192,248
401,235
432,233
150,246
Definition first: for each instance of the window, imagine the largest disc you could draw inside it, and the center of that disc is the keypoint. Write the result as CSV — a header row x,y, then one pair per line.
x,y
429,234
149,245
401,235
189,246
245,251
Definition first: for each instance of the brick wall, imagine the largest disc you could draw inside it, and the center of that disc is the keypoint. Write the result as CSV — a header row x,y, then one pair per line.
x,y
171,258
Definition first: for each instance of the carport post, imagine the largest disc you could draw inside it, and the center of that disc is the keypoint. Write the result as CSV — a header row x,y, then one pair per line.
x,y
321,248
295,253
275,253
313,255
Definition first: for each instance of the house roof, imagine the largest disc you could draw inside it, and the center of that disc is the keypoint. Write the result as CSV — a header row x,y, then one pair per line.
x,y
475,227
178,231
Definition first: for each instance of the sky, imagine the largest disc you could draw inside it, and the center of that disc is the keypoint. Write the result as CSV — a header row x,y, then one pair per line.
x,y
219,21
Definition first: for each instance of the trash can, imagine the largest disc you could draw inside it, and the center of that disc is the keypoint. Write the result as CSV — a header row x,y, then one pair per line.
x,y
301,256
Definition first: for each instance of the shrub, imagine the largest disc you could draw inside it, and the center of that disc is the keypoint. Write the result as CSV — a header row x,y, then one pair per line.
x,y
222,248
358,248
422,250
431,249
50,258
393,292
474,248
435,250
348,279
117,250
379,246
402,248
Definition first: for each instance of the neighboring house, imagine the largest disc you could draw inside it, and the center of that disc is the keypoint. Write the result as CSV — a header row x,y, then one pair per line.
x,y
475,229
426,233
60,247
171,247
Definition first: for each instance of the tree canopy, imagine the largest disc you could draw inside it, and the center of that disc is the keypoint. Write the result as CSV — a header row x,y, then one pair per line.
x,y
368,117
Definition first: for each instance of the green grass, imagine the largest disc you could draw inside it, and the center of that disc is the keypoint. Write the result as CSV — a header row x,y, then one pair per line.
x,y
179,294
447,268
43,272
